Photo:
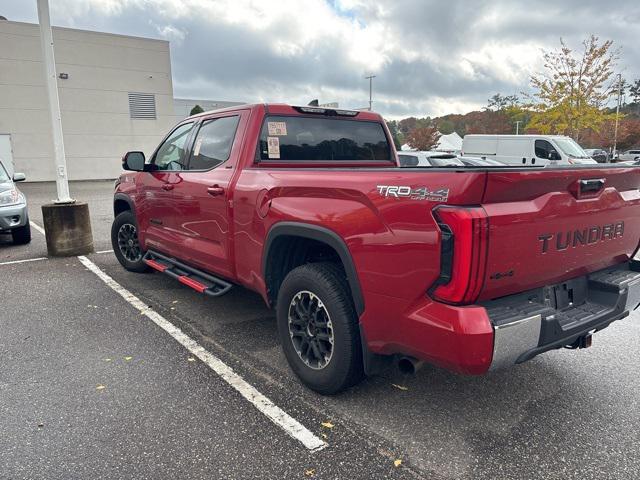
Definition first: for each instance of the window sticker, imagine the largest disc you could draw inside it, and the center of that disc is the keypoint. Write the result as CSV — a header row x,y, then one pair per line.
x,y
273,144
196,149
277,128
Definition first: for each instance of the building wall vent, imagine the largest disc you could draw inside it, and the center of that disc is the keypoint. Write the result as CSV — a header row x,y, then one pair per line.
x,y
142,105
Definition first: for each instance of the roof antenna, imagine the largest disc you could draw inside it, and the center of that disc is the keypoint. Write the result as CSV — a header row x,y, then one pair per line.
x,y
313,103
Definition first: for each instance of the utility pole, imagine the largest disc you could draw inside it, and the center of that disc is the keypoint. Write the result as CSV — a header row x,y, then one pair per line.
x,y
67,226
518,122
370,77
615,133
46,41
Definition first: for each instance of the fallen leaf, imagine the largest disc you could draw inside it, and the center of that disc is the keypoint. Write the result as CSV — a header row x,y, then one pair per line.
x,y
400,387
100,387
191,359
127,358
327,424
310,473
397,462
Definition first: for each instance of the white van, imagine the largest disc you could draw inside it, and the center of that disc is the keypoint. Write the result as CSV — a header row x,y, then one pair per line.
x,y
535,150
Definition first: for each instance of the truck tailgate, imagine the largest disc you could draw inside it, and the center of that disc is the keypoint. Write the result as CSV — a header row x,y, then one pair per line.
x,y
547,226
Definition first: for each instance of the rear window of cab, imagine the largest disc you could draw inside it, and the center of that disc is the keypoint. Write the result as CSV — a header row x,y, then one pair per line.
x,y
322,139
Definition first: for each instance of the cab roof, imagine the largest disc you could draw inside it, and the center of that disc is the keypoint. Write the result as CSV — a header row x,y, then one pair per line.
x,y
286,109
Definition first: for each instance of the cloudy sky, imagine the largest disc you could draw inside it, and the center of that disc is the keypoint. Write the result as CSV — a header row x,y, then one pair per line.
x,y
430,57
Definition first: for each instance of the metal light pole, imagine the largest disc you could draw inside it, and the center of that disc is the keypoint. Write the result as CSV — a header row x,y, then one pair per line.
x,y
46,41
370,77
615,133
518,122
67,226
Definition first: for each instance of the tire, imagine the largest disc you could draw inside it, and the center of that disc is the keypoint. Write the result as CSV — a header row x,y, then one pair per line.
x,y
124,239
22,235
325,286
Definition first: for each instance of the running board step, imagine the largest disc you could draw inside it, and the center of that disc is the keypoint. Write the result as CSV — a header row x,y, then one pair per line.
x,y
198,280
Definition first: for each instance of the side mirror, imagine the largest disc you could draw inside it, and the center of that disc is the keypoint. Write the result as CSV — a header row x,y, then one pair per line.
x,y
553,155
133,161
19,177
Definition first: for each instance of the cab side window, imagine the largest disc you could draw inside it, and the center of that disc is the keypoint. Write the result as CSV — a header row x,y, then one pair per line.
x,y
170,155
212,145
544,149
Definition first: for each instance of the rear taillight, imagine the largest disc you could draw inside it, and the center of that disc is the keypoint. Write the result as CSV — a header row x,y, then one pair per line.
x,y
463,255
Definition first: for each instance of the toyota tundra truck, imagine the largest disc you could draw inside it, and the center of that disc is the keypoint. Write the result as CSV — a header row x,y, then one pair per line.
x,y
467,268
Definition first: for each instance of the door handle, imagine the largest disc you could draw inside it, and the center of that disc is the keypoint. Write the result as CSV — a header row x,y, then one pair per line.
x,y
167,186
215,190
592,185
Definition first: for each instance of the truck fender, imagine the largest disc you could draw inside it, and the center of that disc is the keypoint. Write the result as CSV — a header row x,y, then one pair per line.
x,y
122,197
324,235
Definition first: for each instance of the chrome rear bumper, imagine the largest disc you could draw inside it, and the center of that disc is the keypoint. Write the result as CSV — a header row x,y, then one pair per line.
x,y
536,321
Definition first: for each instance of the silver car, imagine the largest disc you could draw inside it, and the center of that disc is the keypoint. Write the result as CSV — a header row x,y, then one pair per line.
x,y
14,216
629,155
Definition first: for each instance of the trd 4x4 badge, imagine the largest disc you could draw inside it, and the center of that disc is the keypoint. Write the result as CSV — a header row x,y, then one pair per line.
x,y
418,193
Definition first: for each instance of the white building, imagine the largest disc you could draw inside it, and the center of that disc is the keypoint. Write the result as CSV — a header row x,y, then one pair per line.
x,y
116,95
451,143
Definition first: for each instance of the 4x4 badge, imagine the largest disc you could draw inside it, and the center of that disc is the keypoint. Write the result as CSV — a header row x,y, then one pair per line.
x,y
418,193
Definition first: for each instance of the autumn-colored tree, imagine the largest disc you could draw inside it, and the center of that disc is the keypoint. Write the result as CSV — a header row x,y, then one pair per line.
x,y
574,88
407,124
423,138
489,122
628,135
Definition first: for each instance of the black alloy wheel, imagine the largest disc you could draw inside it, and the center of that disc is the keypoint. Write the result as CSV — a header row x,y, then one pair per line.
x,y
311,330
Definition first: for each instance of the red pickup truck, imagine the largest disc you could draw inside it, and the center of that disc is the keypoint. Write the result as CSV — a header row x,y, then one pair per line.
x,y
467,268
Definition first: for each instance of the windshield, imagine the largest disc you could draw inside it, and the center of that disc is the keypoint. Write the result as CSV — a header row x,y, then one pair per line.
x,y
4,177
570,148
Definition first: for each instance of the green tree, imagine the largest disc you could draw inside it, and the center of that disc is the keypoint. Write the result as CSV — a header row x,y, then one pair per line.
x,y
196,110
445,127
396,134
574,88
500,102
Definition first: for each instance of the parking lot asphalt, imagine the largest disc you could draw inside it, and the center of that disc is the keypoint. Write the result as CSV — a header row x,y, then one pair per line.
x,y
65,334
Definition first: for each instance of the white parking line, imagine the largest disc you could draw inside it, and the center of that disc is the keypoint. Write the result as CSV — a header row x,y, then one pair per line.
x,y
274,413
23,261
37,227
104,251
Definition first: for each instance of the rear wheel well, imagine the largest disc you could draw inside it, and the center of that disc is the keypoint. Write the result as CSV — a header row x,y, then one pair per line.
x,y
287,252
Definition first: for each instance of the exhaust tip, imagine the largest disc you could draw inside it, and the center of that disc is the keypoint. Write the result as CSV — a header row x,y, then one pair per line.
x,y
408,365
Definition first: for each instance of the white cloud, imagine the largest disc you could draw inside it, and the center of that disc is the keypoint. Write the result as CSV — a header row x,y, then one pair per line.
x,y
430,57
